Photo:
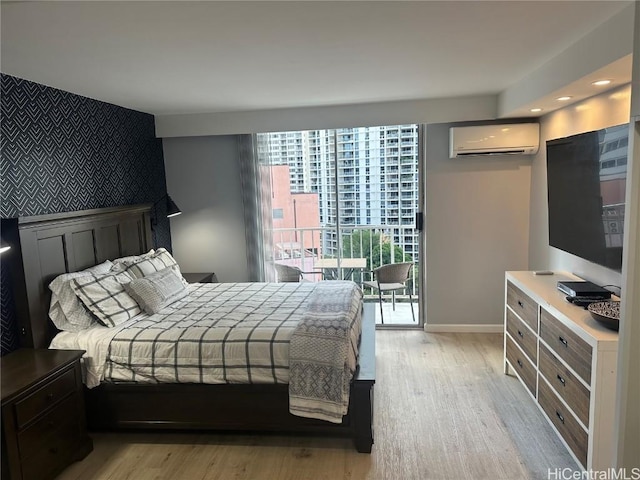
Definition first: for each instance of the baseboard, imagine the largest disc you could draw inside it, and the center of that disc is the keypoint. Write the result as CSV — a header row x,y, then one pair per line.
x,y
464,328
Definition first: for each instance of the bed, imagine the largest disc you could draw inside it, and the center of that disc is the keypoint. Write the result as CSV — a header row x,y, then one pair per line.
x,y
50,245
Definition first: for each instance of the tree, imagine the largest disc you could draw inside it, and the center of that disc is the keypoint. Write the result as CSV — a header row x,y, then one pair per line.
x,y
376,248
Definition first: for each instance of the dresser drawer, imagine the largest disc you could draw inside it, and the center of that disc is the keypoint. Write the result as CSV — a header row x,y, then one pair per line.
x,y
574,393
567,345
568,427
519,362
524,337
523,305
48,395
56,423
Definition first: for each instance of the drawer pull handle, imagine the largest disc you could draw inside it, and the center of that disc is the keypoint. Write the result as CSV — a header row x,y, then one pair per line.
x,y
562,380
560,416
50,397
520,363
521,304
520,334
53,450
563,341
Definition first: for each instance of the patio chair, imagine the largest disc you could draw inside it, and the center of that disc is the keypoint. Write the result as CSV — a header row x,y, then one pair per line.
x,y
288,273
391,278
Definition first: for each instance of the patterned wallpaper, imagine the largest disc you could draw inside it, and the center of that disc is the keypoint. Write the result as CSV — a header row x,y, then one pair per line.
x,y
62,152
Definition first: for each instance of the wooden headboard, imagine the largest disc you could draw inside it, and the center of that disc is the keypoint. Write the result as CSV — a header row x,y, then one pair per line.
x,y
49,245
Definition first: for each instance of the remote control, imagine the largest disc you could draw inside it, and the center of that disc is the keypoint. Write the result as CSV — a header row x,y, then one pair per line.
x,y
543,272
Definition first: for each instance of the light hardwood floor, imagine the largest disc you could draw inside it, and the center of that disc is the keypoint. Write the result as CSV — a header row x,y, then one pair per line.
x,y
443,410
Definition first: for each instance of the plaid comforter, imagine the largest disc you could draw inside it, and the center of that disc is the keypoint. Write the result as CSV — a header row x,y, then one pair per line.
x,y
220,333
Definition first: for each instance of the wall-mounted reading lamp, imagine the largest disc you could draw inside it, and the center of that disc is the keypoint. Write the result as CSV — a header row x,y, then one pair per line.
x,y
170,206
4,246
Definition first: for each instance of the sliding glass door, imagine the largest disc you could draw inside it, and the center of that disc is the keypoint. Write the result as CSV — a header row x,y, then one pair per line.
x,y
343,203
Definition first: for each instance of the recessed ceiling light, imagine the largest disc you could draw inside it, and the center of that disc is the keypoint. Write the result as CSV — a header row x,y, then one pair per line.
x,y
599,83
563,99
536,110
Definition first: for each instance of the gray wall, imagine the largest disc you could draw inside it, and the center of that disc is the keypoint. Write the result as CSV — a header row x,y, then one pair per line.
x,y
203,178
476,227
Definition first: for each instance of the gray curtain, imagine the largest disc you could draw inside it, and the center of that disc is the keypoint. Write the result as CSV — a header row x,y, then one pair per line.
x,y
256,196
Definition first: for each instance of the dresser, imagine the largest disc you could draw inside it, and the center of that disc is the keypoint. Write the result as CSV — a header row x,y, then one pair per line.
x,y
567,362
43,416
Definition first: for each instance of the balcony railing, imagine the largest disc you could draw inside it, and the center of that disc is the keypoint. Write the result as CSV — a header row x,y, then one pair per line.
x,y
303,247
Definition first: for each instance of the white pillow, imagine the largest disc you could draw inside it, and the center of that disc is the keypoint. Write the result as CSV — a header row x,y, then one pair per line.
x,y
157,290
159,260
106,298
65,310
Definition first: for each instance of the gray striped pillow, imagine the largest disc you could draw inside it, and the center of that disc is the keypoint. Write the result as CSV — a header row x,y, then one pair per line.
x,y
157,290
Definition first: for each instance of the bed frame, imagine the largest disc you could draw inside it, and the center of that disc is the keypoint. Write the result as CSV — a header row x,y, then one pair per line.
x,y
49,245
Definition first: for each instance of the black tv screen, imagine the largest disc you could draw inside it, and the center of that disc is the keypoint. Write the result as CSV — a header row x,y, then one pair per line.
x,y
586,179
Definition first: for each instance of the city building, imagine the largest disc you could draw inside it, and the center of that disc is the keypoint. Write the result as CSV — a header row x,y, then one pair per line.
x,y
377,185
295,221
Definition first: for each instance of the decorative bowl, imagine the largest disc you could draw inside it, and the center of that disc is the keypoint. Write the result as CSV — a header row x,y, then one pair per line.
x,y
606,313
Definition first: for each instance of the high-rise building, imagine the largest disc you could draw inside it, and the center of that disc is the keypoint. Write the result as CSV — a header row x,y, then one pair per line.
x,y
377,169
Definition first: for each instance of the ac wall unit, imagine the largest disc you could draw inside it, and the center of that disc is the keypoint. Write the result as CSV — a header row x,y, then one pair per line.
x,y
507,139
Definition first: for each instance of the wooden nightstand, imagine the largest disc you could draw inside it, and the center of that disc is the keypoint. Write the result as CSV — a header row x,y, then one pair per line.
x,y
43,418
200,277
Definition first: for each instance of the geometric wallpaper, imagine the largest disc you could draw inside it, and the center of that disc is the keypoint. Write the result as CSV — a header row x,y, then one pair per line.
x,y
62,152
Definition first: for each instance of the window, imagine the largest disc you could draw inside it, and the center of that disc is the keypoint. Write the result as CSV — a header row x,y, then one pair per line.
x,y
278,214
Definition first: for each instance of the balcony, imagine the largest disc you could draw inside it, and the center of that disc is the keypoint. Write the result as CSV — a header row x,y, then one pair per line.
x,y
303,247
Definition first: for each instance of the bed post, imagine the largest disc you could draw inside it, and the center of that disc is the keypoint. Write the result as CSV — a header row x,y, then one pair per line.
x,y
362,391
363,420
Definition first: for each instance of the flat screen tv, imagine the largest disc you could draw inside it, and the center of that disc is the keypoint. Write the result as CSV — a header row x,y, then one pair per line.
x,y
586,178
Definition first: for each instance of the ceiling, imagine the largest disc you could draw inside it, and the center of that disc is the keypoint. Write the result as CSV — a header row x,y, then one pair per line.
x,y
175,57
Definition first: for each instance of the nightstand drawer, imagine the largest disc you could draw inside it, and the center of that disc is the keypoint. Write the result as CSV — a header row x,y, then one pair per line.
x,y
45,397
60,422
525,338
567,345
519,362
574,393
54,454
523,305
563,420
